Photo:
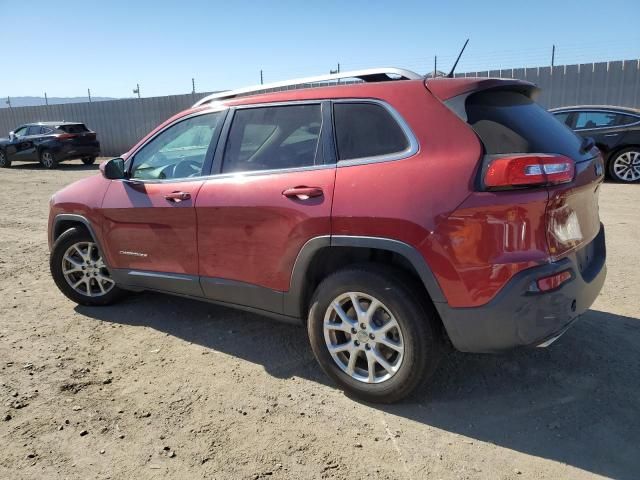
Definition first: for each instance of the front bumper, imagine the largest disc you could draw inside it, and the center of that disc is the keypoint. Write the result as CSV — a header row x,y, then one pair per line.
x,y
520,316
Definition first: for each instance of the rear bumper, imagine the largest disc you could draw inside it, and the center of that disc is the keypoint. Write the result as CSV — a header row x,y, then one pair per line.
x,y
521,316
66,152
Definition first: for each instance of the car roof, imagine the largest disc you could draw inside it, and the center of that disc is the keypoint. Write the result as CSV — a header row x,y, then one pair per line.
x,y
612,108
51,124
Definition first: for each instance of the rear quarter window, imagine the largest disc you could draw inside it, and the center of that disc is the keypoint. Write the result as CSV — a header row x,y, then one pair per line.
x,y
510,122
366,130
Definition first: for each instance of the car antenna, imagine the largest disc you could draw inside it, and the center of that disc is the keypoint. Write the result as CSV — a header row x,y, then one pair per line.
x,y
450,74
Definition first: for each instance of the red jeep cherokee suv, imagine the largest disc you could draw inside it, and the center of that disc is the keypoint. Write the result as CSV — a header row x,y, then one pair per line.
x,y
391,216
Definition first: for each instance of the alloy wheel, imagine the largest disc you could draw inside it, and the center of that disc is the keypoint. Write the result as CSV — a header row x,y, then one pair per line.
x,y
363,337
85,271
626,166
47,159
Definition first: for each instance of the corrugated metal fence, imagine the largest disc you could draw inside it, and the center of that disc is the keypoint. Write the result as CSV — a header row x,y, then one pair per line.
x,y
121,123
605,83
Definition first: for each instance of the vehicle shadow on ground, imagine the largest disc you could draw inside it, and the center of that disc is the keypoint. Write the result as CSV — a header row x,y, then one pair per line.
x,y
61,166
576,402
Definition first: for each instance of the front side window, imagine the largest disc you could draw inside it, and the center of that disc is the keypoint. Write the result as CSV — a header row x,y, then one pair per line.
x,y
21,132
177,152
268,138
34,130
595,119
366,130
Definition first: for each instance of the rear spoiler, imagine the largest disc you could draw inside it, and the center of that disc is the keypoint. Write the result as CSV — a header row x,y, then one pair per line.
x,y
447,88
453,92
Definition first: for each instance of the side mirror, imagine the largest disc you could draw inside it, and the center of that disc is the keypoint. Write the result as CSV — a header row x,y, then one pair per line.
x,y
12,136
113,169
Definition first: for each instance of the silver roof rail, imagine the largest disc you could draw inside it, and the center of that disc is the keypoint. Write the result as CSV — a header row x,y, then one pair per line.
x,y
368,75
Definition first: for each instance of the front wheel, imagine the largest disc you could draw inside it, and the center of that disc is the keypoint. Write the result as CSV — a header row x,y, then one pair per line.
x,y
48,160
372,334
4,160
88,160
79,271
625,165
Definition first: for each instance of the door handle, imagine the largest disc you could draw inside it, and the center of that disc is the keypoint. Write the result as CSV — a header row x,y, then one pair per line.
x,y
303,193
177,197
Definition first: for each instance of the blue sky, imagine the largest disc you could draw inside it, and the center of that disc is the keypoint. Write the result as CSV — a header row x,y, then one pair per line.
x,y
65,47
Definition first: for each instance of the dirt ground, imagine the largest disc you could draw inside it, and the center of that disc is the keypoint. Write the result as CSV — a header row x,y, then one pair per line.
x,y
163,387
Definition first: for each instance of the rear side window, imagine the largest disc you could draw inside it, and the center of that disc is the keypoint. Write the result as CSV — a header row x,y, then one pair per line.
x,y
596,119
510,122
366,130
627,119
34,130
269,138
75,128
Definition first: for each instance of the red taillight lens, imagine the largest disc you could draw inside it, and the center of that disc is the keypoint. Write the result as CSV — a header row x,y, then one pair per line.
x,y
65,136
553,281
529,170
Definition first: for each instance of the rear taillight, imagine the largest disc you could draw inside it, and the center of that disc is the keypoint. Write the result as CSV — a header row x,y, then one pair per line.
x,y
529,170
65,136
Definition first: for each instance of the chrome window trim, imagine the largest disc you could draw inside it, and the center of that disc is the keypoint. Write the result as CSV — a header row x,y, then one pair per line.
x,y
252,173
411,150
600,110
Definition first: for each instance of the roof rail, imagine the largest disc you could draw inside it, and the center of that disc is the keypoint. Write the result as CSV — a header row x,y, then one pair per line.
x,y
368,75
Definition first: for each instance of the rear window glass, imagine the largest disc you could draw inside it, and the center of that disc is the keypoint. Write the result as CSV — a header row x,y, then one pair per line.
x,y
510,122
76,128
366,130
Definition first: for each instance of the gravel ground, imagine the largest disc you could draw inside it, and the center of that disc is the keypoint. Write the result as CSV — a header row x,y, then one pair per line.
x,y
162,387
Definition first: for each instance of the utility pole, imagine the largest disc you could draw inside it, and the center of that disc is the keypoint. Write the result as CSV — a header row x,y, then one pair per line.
x,y
89,94
553,56
8,102
193,86
137,89
435,66
46,100
261,78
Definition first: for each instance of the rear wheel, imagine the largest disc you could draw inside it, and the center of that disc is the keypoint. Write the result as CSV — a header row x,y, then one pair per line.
x,y
624,166
48,160
372,335
88,160
4,160
79,271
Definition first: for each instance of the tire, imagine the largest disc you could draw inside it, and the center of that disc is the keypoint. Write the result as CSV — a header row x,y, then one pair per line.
x,y
89,160
88,275
48,159
417,333
4,160
624,166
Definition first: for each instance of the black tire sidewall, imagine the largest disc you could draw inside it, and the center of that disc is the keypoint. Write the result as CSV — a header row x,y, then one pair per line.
x,y
612,159
422,346
88,160
6,163
66,240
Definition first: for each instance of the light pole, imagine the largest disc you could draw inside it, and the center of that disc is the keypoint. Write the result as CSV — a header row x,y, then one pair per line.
x,y
137,89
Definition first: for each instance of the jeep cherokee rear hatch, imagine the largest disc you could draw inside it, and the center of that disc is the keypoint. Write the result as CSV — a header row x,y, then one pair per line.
x,y
526,148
